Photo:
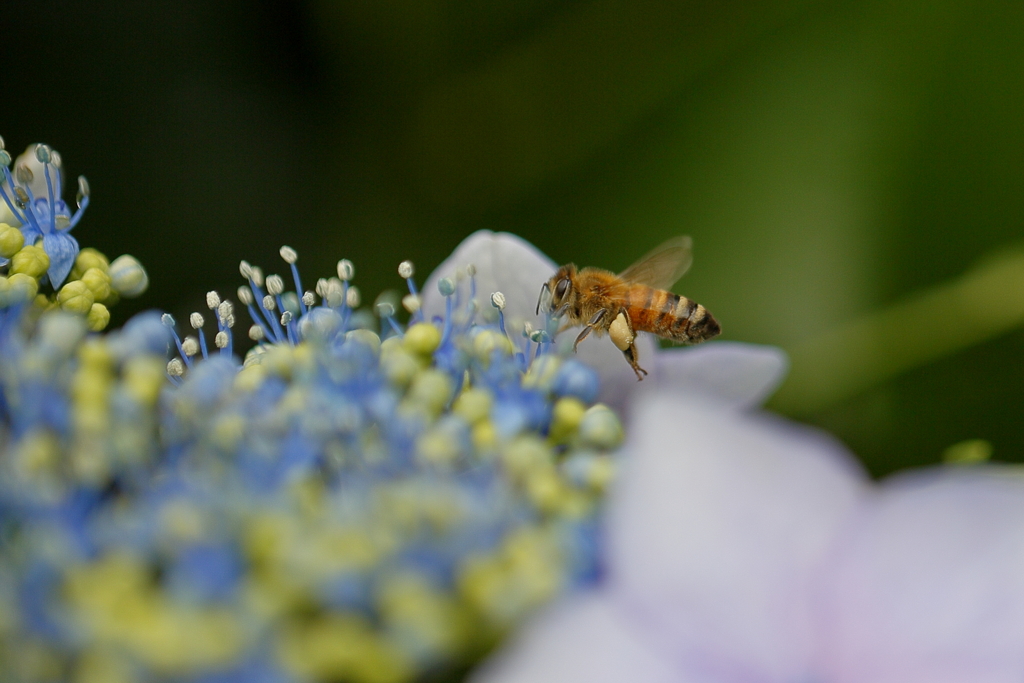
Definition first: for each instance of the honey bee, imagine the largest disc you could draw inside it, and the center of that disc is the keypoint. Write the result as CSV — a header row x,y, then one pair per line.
x,y
633,301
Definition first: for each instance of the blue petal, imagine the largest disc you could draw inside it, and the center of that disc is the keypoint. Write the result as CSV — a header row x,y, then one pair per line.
x,y
30,233
62,250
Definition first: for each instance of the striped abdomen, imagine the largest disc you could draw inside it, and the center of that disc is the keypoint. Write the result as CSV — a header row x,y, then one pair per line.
x,y
669,315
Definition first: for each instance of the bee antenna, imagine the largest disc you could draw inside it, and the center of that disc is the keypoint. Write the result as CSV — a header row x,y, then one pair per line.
x,y
544,287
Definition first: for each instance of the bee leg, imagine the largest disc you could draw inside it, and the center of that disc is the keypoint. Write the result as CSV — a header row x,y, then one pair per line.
x,y
591,324
543,288
624,337
632,357
581,337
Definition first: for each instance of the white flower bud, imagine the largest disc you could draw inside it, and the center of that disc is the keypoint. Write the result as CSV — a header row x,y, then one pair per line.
x,y
269,303
196,320
221,340
405,269
352,298
256,333
498,300
212,300
346,271
245,296
175,368
127,276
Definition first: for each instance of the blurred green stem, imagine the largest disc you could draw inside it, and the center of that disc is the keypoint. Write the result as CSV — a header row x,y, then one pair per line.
x,y
984,302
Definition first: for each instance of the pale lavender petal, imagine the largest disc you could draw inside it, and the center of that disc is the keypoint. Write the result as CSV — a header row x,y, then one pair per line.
x,y
733,374
580,639
741,375
928,586
504,263
720,523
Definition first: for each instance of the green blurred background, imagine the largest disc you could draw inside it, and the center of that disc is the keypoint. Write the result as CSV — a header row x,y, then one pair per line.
x,y
829,159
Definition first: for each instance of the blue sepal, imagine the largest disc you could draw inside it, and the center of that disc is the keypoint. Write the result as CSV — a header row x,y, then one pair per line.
x,y
62,249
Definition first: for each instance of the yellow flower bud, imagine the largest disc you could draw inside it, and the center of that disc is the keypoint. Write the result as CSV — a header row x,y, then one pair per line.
x,y
75,297
31,260
23,287
11,240
98,317
17,289
422,338
91,258
98,282
565,418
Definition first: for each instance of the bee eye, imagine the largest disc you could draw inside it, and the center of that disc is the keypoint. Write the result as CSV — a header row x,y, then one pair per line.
x,y
561,288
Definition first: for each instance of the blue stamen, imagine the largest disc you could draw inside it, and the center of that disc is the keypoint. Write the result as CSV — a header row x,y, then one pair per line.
x,y
345,310
78,213
49,189
501,323
257,320
202,342
298,287
269,316
447,331
168,322
7,200
394,326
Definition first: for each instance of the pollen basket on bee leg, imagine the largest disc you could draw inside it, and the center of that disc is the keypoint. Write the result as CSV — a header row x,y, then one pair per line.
x,y
620,332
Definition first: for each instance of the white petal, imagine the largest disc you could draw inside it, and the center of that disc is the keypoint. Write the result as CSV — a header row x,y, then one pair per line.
x,y
732,373
504,263
581,639
740,374
720,523
929,585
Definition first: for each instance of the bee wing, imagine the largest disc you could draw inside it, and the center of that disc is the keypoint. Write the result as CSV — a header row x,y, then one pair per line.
x,y
662,266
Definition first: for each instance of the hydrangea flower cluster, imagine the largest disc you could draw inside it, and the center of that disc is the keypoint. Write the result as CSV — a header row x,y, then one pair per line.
x,y
359,500
40,261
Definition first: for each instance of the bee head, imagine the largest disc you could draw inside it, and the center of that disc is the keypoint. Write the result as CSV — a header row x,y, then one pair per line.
x,y
558,289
